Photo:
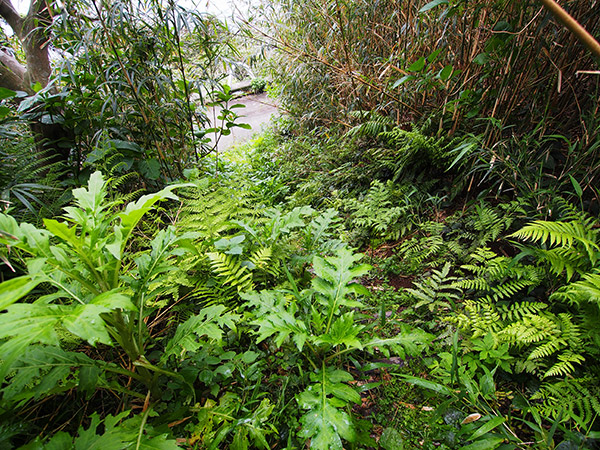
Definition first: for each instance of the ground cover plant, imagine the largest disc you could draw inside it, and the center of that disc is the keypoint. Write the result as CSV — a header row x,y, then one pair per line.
x,y
407,259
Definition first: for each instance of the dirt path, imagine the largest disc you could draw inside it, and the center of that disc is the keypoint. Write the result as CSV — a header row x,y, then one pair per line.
x,y
257,113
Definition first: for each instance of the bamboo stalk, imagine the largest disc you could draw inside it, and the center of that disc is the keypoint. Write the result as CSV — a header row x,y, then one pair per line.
x,y
573,26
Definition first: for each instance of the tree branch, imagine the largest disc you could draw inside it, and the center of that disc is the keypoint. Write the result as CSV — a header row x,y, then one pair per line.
x,y
12,72
12,17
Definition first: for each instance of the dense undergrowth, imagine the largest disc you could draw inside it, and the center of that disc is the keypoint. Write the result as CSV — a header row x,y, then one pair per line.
x,y
225,320
408,259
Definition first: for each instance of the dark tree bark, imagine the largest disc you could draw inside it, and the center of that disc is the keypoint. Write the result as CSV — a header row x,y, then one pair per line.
x,y
33,33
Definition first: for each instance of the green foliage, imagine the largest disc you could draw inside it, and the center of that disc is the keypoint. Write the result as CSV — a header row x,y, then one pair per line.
x,y
27,177
111,432
574,243
210,323
435,296
217,421
99,291
496,277
575,399
136,89
326,424
380,212
549,343
320,323
413,153
371,124
258,85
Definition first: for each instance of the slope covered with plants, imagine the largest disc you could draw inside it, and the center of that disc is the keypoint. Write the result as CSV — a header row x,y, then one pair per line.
x,y
409,258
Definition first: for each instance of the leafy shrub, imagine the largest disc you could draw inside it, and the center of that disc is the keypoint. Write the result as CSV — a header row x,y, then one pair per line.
x,y
96,290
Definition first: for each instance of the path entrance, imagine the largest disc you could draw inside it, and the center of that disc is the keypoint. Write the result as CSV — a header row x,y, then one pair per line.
x,y
257,113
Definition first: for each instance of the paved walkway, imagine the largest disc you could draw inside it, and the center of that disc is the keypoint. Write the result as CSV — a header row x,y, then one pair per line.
x,y
257,113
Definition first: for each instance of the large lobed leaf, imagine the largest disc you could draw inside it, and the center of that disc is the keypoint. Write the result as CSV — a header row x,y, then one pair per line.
x,y
24,324
209,324
336,278
326,423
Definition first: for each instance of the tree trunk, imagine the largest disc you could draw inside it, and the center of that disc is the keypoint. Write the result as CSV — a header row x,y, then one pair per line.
x,y
33,33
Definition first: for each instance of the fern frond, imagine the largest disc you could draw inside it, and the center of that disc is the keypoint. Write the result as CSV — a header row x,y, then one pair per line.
x,y
575,242
373,126
585,290
564,366
570,399
230,271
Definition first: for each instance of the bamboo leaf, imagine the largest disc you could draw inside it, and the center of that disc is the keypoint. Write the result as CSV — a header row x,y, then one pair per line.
x,y
432,5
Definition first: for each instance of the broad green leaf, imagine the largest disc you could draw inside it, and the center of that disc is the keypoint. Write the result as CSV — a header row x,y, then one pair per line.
x,y
134,211
13,290
41,371
6,93
336,276
576,186
85,320
326,425
4,111
91,198
62,231
282,324
484,444
88,378
209,323
343,332
435,387
432,5
150,169
24,324
403,80
418,65
487,427
126,145
481,59
446,72
391,439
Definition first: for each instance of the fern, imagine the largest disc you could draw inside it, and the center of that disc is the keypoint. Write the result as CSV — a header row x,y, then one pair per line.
x,y
550,344
575,399
377,214
574,244
436,292
497,277
211,210
374,124
586,290
230,271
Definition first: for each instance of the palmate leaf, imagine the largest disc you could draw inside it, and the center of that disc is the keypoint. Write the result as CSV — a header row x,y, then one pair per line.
x,y
335,278
209,323
24,324
277,317
326,424
343,332
117,434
